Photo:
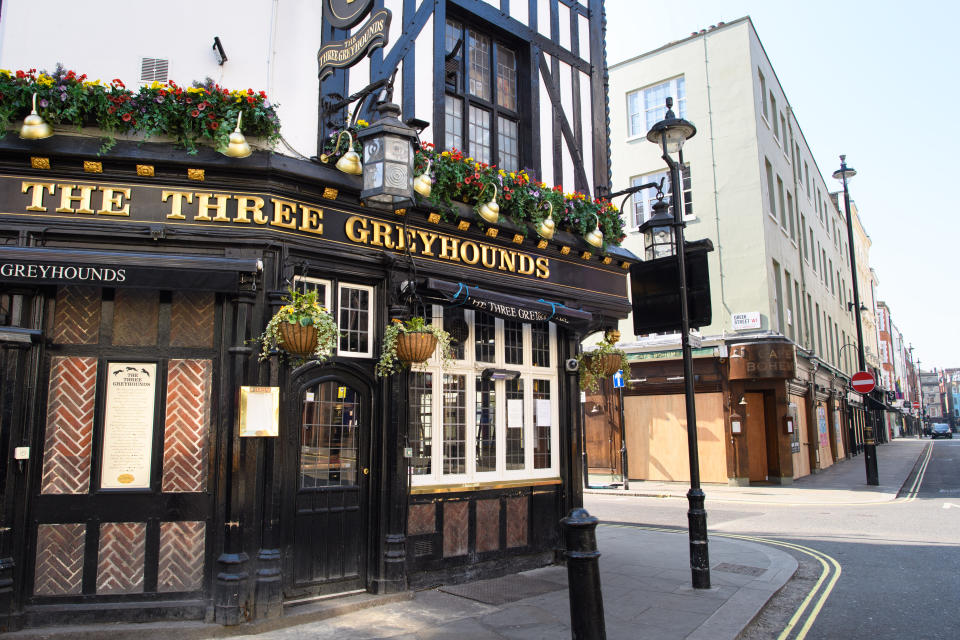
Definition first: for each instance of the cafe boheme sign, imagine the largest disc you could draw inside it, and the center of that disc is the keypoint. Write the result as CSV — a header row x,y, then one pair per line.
x,y
157,205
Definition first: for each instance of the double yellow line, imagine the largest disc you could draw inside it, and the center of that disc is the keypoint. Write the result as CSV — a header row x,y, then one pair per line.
x,y
802,619
918,480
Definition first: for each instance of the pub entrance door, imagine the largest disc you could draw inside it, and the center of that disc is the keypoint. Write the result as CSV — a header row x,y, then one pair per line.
x,y
328,475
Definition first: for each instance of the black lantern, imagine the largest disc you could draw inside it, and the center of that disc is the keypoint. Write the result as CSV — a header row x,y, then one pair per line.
x,y
657,230
671,132
387,160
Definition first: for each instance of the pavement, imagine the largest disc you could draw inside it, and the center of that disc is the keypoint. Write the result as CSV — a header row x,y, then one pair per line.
x,y
645,578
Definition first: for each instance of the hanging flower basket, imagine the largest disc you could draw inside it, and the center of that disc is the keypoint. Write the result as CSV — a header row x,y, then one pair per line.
x,y
297,339
301,328
411,343
606,364
415,347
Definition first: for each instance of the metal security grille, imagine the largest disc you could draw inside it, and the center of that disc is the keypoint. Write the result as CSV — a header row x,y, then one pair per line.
x,y
154,69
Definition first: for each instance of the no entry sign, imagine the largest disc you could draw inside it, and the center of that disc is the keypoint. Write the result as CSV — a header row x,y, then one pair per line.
x,y
862,381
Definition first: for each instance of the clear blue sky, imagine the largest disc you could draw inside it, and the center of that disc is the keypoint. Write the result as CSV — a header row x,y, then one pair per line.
x,y
877,81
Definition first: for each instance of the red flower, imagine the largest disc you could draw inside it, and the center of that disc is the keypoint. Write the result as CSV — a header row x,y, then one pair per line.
x,y
126,117
118,82
250,99
467,180
507,196
249,92
263,94
112,110
195,113
188,100
202,106
214,125
212,116
20,74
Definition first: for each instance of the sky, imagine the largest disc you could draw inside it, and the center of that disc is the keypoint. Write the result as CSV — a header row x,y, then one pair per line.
x,y
877,81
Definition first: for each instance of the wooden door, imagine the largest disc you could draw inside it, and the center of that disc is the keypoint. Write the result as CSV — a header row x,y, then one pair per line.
x,y
756,437
325,546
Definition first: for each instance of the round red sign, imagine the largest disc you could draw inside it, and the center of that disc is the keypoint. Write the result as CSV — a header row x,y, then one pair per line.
x,y
862,381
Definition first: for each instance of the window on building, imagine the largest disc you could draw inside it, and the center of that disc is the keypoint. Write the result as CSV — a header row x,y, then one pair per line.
x,y
778,290
783,206
803,237
466,426
797,321
806,176
352,307
770,192
809,311
644,200
773,112
789,319
481,110
790,212
783,128
819,332
763,95
646,107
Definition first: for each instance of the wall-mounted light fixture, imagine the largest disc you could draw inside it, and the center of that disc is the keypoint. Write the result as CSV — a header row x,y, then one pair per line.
x,y
218,51
500,374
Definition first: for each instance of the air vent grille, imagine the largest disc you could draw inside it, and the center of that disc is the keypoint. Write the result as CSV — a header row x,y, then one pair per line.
x,y
154,69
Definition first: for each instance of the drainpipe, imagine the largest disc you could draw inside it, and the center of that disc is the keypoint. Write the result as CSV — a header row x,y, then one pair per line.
x,y
713,172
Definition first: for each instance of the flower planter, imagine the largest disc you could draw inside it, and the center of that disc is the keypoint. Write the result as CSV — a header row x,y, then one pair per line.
x,y
415,346
609,364
298,340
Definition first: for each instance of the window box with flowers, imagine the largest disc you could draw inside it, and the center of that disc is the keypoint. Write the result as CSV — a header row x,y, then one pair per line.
x,y
202,114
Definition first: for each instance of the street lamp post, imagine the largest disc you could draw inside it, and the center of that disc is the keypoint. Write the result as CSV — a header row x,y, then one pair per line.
x,y
670,134
869,444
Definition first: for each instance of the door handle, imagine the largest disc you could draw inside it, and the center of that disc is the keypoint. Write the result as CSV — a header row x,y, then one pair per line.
x,y
366,471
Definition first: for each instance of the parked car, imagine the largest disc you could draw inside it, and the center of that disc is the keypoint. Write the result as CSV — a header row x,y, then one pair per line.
x,y
941,430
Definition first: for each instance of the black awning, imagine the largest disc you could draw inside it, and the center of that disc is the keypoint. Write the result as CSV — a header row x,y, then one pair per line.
x,y
32,265
507,306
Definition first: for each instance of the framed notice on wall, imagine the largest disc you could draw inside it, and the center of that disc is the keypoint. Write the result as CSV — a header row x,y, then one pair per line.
x,y
259,411
128,425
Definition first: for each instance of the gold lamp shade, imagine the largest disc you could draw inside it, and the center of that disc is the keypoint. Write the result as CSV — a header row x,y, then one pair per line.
x,y
547,228
238,147
349,162
422,184
490,211
595,237
34,128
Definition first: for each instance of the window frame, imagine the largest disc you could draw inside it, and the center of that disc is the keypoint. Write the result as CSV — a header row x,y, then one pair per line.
x,y
471,369
371,337
680,104
461,92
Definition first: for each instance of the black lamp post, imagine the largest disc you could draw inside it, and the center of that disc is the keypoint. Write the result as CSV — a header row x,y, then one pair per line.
x,y
670,134
869,444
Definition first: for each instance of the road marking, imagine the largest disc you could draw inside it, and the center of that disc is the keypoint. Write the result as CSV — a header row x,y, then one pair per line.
x,y
918,481
947,505
831,570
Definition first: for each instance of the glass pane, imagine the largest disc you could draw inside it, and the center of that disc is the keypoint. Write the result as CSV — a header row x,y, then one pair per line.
x,y
479,65
328,436
484,330
542,419
420,429
507,140
453,122
540,334
486,425
454,424
354,320
513,341
480,134
452,35
515,446
455,324
506,78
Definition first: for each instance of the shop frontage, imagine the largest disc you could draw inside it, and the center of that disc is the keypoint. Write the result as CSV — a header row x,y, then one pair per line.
x,y
136,486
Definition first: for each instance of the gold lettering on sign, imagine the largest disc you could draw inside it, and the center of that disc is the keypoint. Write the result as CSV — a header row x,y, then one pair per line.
x,y
247,205
83,200
381,234
113,197
427,239
36,194
310,220
204,207
176,203
351,228
448,248
283,213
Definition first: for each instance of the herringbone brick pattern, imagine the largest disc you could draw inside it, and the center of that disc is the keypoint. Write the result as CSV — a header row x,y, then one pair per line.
x,y
59,568
191,319
120,558
187,425
68,439
181,556
136,314
77,316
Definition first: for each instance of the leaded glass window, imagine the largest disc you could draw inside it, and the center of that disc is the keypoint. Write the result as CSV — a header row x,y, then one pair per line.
x,y
420,433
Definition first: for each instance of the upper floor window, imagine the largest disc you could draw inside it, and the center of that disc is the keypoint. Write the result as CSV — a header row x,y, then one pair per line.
x,y
352,307
776,124
763,94
481,103
644,200
646,107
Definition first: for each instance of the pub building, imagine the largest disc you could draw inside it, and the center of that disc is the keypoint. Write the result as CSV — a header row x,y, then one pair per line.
x,y
155,468
768,412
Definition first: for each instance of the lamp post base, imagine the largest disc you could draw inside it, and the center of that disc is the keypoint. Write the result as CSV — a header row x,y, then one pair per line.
x,y
699,552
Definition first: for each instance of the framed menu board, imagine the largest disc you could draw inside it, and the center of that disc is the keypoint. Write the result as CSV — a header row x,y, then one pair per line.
x,y
259,411
128,425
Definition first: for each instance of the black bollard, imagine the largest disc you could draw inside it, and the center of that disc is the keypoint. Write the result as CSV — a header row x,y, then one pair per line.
x,y
583,576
